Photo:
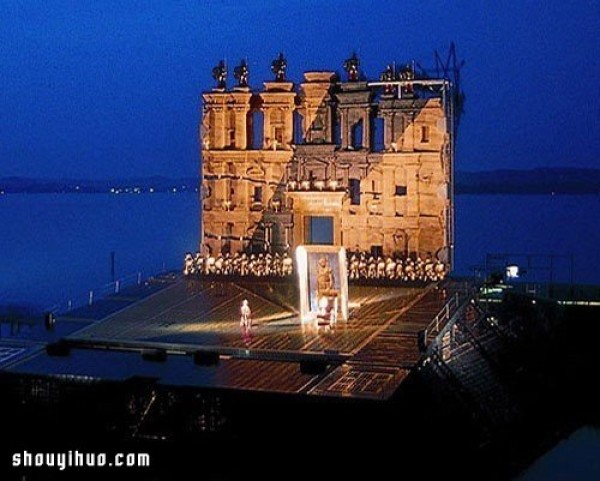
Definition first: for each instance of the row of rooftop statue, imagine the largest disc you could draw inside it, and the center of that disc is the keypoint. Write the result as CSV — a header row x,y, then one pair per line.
x,y
360,265
279,67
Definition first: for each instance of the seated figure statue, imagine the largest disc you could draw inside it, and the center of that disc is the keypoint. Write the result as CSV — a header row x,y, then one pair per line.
x,y
326,292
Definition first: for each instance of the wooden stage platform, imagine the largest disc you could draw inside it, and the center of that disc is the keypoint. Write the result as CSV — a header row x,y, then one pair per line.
x,y
367,356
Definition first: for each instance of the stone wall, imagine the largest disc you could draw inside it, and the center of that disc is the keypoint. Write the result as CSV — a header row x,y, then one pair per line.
x,y
319,156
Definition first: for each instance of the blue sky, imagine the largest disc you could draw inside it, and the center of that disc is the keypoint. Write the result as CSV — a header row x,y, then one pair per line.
x,y
112,89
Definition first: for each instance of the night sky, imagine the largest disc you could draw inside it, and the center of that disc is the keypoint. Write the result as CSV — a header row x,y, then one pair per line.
x,y
111,89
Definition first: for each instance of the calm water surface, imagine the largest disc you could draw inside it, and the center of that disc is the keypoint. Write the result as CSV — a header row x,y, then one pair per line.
x,y
54,247
531,224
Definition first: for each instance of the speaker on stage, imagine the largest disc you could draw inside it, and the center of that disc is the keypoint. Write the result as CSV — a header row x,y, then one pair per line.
x,y
313,366
154,355
58,349
206,358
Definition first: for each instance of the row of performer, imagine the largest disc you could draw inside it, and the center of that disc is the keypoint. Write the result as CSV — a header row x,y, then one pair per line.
x,y
239,264
360,265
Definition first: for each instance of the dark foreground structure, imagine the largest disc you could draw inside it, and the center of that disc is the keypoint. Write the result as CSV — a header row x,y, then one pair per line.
x,y
423,380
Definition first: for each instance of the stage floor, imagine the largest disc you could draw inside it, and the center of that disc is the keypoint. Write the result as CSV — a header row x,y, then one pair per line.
x,y
195,314
366,357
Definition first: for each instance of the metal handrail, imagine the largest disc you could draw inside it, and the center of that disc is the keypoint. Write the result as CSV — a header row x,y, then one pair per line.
x,y
90,296
442,316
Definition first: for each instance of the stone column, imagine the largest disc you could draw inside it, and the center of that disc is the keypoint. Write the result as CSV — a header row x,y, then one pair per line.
x,y
337,230
241,132
219,133
343,118
366,138
267,137
289,126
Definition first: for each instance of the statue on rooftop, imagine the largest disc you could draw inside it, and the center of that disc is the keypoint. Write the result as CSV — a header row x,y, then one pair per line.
x,y
407,73
241,73
278,67
219,73
387,76
351,67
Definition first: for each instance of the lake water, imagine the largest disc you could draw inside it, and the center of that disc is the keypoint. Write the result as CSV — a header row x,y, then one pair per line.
x,y
56,247
532,224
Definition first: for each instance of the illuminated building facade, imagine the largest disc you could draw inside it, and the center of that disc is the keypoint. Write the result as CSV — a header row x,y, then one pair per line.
x,y
362,164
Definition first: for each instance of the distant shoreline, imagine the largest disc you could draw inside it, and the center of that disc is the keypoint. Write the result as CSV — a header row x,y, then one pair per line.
x,y
96,193
525,193
457,192
555,181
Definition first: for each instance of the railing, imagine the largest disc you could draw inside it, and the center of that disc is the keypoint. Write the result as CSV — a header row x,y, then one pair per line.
x,y
88,298
443,323
442,318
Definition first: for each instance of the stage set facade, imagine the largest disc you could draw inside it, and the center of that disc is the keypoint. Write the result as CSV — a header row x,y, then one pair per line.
x,y
366,165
